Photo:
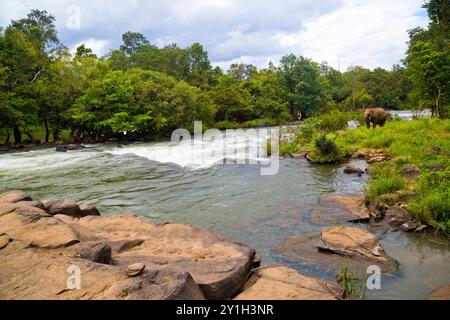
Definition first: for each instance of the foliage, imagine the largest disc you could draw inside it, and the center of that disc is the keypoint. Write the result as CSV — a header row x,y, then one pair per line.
x,y
354,286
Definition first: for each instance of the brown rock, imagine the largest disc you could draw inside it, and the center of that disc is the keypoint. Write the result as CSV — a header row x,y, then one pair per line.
x,y
99,252
377,159
337,208
257,260
36,204
410,171
14,197
355,243
297,155
282,283
28,274
441,293
409,226
135,269
220,267
34,227
359,155
4,241
65,207
88,210
396,216
353,170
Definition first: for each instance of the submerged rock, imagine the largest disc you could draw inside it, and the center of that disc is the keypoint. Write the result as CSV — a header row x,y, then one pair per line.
x,y
350,169
358,250
282,283
441,293
339,208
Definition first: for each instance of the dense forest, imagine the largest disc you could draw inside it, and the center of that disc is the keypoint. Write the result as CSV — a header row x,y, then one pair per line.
x,y
149,91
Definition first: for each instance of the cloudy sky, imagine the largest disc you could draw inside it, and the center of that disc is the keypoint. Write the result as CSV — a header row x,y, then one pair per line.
x,y
343,32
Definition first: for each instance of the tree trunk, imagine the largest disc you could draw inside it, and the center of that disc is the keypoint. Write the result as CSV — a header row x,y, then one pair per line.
x,y
437,104
17,135
29,135
47,132
8,136
55,135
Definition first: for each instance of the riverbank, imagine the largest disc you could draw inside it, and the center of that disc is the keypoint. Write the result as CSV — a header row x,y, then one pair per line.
x,y
409,164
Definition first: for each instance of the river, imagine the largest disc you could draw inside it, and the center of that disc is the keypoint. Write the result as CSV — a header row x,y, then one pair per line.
x,y
160,181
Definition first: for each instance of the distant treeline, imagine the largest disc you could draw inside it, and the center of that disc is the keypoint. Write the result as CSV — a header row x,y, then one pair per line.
x,y
148,91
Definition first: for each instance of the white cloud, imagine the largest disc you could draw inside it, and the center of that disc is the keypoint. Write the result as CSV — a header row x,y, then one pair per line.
x,y
366,32
370,33
99,47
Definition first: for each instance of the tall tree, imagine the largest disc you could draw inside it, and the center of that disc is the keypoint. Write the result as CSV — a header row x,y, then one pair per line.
x,y
132,41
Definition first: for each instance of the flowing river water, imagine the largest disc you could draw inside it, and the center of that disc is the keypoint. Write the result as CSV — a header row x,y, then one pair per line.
x,y
161,181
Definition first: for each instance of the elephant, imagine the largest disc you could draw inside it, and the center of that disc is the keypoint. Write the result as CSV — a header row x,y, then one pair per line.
x,y
376,116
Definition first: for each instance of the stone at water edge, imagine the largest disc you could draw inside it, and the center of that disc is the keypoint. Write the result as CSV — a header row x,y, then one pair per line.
x,y
353,170
88,210
61,149
355,243
283,283
339,208
409,226
135,269
441,293
66,207
36,204
14,197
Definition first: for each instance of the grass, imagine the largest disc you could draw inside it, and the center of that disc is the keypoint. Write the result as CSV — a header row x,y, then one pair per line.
x,y
424,143
354,286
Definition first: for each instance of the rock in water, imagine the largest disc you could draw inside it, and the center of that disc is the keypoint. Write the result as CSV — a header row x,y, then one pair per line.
x,y
282,283
135,269
355,243
14,197
441,293
336,208
353,170
409,226
61,149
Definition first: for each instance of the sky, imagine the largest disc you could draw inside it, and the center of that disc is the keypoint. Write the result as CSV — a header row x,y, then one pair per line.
x,y
370,33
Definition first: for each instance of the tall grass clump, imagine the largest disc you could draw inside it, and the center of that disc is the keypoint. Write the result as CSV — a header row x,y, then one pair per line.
x,y
353,285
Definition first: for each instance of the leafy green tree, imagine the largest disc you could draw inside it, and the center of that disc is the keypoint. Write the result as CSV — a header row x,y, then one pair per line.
x,y
83,52
301,77
132,41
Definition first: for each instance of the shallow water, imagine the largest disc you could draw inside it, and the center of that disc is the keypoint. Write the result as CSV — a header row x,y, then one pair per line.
x,y
232,200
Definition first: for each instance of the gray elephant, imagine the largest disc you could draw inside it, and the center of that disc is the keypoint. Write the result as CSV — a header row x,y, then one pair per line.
x,y
375,116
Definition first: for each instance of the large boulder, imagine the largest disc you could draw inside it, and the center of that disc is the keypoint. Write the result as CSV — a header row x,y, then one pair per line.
x,y
43,274
218,266
282,283
35,228
14,197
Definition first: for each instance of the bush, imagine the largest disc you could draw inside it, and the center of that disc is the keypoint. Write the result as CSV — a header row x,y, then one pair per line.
x,y
327,150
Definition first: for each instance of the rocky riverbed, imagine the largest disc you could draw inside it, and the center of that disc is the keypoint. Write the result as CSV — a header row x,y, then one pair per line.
x,y
127,257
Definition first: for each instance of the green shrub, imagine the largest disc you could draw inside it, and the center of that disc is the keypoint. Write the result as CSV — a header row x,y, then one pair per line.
x,y
327,150
354,286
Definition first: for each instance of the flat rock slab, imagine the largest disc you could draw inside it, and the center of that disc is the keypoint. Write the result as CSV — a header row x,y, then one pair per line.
x,y
304,249
339,208
219,266
29,274
282,283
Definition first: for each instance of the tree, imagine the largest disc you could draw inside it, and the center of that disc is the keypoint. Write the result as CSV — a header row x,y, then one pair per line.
x,y
300,76
132,41
83,52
